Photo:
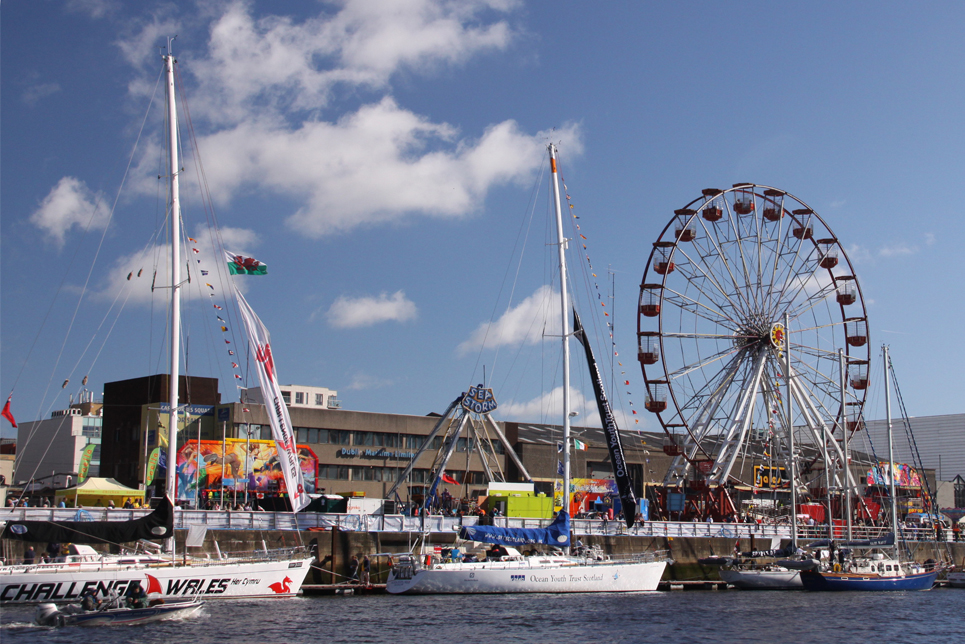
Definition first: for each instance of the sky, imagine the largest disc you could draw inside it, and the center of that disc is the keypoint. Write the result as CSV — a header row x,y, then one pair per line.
x,y
387,161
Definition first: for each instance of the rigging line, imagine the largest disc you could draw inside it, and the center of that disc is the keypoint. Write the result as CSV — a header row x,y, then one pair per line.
x,y
130,291
97,251
906,423
216,241
521,245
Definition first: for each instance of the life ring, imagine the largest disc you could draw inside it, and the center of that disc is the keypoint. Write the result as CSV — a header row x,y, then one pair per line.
x,y
837,568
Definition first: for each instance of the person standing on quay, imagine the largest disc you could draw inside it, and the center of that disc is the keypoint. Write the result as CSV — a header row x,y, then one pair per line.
x,y
353,570
366,570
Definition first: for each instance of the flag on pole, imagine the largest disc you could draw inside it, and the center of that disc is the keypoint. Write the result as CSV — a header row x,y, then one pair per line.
x,y
448,479
559,468
241,265
580,445
6,413
281,424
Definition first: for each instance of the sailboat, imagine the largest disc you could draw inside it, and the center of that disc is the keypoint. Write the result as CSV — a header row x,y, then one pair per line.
x,y
505,569
877,570
262,574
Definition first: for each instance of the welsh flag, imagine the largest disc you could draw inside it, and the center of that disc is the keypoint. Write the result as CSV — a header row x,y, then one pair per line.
x,y
241,265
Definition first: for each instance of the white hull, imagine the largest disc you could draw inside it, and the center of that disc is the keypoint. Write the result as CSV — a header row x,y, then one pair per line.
x,y
763,579
956,579
529,575
207,580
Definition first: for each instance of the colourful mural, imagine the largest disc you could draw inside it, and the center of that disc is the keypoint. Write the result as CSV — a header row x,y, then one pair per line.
x,y
237,465
588,495
881,475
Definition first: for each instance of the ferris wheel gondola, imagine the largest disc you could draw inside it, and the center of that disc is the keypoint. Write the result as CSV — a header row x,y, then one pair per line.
x,y
723,276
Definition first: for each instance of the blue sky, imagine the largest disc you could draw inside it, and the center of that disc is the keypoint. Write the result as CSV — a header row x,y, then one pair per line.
x,y
381,158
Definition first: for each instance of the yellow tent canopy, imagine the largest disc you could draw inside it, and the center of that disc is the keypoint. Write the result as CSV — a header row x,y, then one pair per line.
x,y
97,492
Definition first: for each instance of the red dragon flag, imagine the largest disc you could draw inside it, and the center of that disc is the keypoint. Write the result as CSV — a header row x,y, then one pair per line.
x,y
281,424
6,413
241,265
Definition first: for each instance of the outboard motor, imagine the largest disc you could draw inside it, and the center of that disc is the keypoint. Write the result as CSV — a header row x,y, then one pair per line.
x,y
49,615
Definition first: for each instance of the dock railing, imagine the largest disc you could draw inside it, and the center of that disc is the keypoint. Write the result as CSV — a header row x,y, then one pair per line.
x,y
251,520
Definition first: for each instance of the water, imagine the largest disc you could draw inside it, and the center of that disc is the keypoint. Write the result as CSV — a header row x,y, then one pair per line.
x,y
933,617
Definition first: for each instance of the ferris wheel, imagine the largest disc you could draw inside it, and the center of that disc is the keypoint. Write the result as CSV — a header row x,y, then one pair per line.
x,y
726,272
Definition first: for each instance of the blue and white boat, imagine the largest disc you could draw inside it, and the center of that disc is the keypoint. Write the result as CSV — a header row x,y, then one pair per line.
x,y
875,571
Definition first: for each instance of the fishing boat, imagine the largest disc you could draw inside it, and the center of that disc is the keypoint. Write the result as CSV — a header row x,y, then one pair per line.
x,y
258,574
875,570
114,615
557,570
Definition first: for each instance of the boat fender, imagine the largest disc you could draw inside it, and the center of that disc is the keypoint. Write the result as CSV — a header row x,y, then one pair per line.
x,y
837,567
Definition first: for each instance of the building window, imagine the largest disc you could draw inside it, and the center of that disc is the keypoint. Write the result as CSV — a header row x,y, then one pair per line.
x,y
287,397
299,397
959,491
319,399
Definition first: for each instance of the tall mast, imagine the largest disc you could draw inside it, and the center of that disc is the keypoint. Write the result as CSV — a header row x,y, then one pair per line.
x,y
844,435
564,315
175,286
790,431
891,449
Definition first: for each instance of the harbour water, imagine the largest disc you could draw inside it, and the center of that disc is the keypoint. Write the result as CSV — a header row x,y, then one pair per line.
x,y
935,617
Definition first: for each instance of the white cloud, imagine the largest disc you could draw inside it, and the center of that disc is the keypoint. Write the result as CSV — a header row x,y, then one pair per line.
x,y
548,408
33,94
263,84
347,313
898,250
545,408
94,8
929,239
278,63
156,257
362,381
70,203
526,323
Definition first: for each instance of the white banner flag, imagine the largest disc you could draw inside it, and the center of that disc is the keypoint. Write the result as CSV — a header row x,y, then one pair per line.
x,y
281,424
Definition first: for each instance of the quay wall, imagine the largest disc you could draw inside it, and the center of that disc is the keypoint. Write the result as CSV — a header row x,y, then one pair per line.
x,y
339,546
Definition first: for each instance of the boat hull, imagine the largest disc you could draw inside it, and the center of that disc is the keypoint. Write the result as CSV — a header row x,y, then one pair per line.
x,y
524,577
956,579
217,580
763,579
125,616
840,581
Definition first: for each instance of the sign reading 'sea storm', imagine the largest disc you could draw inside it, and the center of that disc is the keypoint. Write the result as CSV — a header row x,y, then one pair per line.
x,y
479,400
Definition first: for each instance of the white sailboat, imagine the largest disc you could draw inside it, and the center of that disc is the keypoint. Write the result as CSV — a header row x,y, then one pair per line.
x,y
506,569
261,574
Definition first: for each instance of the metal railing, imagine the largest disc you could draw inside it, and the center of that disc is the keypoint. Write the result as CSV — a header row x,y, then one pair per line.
x,y
251,520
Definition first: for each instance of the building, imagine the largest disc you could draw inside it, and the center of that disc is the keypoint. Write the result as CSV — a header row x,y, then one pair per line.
x,y
297,396
940,440
135,408
55,447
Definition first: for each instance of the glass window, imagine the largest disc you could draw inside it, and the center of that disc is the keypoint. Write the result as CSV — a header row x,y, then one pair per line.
x,y
390,440
287,397
413,441
436,442
301,435
339,436
319,399
312,435
299,397
461,445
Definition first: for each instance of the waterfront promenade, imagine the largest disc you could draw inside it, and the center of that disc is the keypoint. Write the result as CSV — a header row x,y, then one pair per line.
x,y
315,521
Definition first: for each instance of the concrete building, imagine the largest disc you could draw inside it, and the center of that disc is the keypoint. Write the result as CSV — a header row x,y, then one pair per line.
x,y
55,446
133,410
939,439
